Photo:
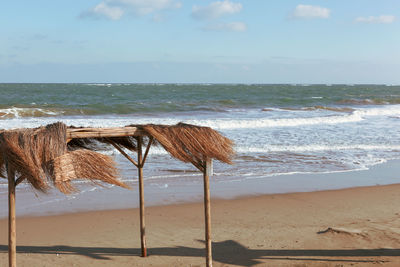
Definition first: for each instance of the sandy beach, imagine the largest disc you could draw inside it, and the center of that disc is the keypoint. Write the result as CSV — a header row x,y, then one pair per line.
x,y
231,132
348,227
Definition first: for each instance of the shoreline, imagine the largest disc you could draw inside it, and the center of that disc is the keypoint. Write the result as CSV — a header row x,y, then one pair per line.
x,y
183,191
354,226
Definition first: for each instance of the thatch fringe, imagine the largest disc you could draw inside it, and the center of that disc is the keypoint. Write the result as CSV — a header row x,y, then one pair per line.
x,y
84,164
190,143
36,155
43,154
29,152
186,142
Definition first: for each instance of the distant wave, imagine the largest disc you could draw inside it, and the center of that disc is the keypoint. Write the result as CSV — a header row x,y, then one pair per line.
x,y
101,84
355,116
266,123
15,112
100,109
367,101
391,110
316,148
337,109
12,118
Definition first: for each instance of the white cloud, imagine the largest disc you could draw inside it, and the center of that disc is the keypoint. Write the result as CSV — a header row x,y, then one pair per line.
x,y
216,10
385,19
144,7
230,26
310,12
107,11
115,9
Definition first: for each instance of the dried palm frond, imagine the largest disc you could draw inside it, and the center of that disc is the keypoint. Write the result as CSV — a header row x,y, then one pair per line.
x,y
84,164
37,155
190,143
43,154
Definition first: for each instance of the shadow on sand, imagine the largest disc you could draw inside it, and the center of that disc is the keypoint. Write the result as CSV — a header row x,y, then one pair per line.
x,y
226,252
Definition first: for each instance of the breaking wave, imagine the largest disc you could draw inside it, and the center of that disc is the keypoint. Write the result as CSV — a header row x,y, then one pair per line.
x,y
15,112
317,148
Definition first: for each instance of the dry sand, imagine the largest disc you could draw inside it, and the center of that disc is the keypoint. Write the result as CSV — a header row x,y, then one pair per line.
x,y
351,227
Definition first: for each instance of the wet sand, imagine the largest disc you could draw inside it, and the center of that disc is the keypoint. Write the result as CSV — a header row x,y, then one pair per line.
x,y
189,190
348,227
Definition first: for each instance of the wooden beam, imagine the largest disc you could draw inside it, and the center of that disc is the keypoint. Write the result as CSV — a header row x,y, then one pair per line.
x,y
147,150
12,233
123,152
103,132
207,209
141,197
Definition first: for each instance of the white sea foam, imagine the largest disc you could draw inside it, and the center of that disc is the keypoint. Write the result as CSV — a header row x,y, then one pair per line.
x,y
356,116
240,122
316,148
100,84
391,110
219,124
267,123
358,134
15,112
89,121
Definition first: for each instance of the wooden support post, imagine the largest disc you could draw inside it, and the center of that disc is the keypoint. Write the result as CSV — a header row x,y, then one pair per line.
x,y
207,211
123,153
141,196
12,239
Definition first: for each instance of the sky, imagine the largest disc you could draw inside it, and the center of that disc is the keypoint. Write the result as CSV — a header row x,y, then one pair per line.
x,y
200,41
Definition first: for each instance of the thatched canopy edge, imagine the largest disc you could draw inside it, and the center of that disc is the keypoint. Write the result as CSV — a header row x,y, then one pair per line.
x,y
186,142
51,152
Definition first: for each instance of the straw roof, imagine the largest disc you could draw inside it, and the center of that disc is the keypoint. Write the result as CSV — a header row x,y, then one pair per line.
x,y
41,156
45,155
190,143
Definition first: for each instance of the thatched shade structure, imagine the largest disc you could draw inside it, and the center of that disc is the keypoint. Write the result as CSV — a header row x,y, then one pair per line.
x,y
55,155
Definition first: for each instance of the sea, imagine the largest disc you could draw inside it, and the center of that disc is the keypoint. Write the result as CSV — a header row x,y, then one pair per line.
x,y
288,137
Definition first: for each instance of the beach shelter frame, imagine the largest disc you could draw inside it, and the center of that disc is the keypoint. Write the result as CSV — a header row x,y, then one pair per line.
x,y
79,133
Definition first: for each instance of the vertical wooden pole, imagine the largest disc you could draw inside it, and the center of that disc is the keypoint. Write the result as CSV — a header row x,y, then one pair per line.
x,y
12,239
141,196
207,211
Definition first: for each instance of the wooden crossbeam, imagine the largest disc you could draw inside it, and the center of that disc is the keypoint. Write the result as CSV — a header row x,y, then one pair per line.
x,y
123,153
147,151
103,132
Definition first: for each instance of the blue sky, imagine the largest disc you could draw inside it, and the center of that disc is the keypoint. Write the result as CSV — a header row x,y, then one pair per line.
x,y
228,41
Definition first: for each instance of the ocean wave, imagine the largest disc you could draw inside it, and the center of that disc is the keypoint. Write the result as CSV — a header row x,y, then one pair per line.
x,y
354,116
392,110
101,84
236,121
267,123
218,124
362,102
377,101
317,148
16,112
336,109
159,151
106,110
